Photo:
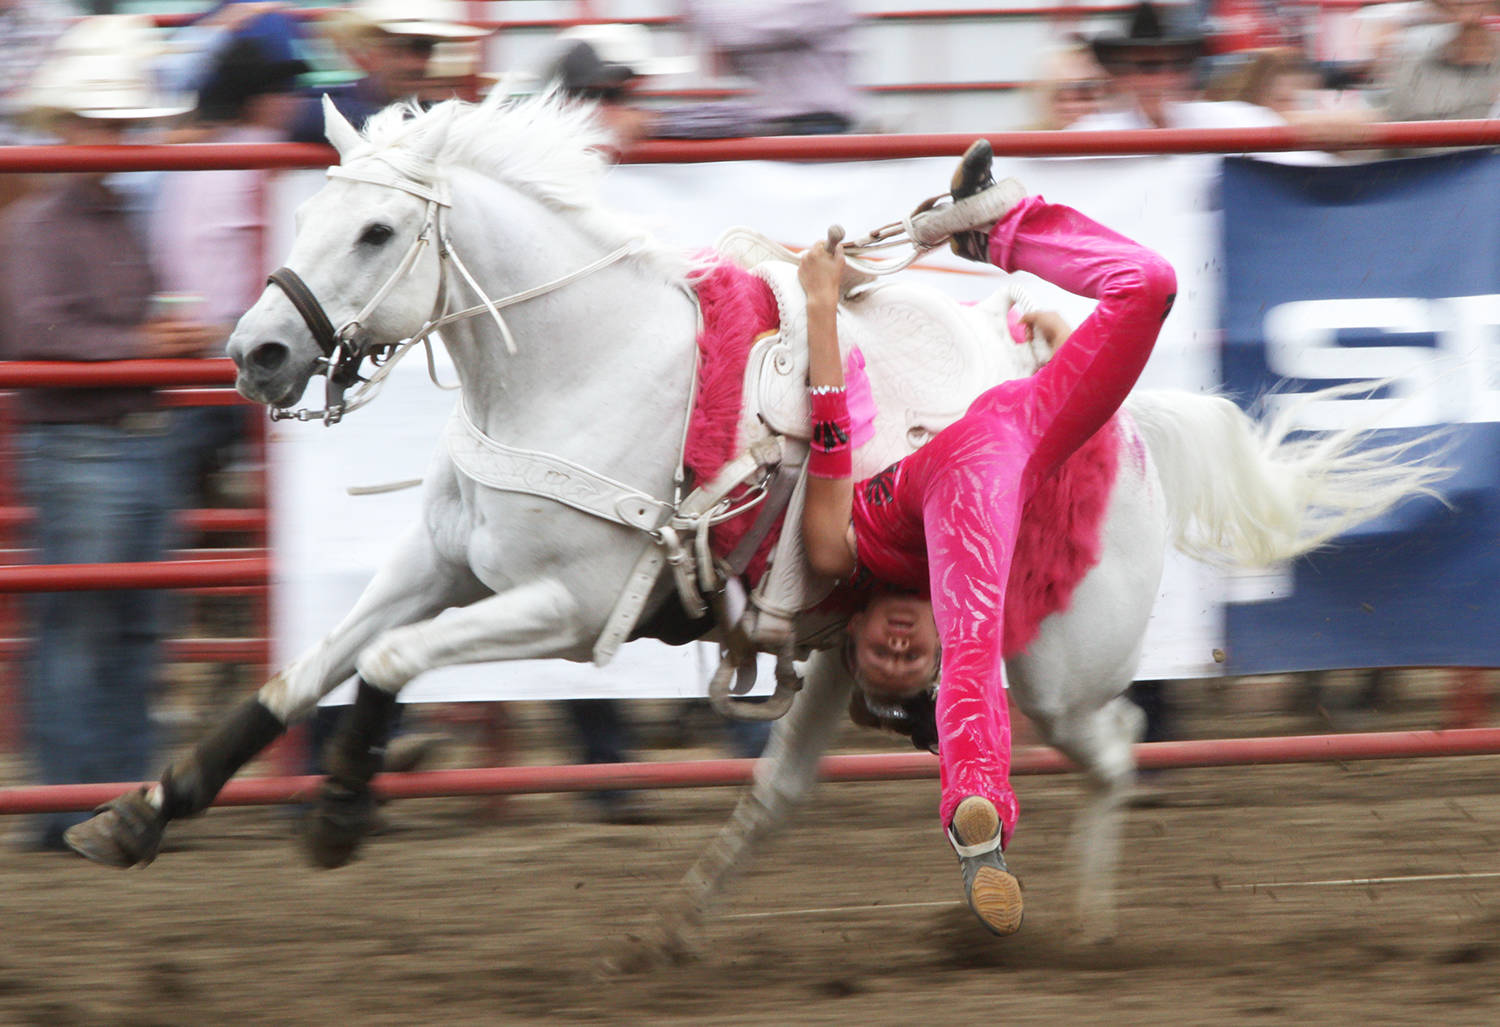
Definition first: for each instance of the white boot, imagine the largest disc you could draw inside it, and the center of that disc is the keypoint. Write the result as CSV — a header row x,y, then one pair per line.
x,y
977,203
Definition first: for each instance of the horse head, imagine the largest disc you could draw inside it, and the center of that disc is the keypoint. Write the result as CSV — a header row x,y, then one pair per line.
x,y
363,273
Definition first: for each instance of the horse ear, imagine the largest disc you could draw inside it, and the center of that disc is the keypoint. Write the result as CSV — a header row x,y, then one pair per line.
x,y
336,127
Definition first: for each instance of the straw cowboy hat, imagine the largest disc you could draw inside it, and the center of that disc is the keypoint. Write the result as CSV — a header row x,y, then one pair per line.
x,y
101,68
423,19
1149,38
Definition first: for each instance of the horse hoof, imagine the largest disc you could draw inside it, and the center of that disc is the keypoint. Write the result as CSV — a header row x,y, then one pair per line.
x,y
125,832
995,898
637,955
338,824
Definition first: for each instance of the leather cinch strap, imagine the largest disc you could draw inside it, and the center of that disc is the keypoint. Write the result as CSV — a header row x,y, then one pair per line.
x,y
307,305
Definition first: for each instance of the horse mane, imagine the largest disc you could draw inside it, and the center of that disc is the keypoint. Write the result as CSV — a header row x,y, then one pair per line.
x,y
553,149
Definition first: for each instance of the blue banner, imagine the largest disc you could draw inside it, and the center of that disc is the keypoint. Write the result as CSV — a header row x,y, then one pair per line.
x,y
1375,272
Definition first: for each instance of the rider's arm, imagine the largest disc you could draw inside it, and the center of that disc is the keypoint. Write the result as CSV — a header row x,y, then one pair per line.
x,y
1049,325
827,534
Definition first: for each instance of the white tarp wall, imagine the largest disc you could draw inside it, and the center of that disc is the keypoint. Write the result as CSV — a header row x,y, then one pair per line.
x,y
327,543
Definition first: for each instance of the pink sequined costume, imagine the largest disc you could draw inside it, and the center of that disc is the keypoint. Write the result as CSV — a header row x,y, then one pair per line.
x,y
944,520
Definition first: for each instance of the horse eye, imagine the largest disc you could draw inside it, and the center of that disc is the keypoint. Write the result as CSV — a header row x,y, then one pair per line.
x,y
377,235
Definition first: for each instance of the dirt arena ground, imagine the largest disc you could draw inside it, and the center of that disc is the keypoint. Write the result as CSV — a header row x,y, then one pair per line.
x,y
1230,909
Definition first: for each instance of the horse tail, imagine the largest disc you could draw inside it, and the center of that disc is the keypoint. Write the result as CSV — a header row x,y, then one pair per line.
x,y
1245,492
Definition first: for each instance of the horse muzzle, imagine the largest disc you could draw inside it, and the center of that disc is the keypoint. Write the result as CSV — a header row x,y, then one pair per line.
x,y
269,373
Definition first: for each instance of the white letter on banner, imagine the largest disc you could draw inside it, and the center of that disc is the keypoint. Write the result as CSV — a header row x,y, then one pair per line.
x,y
1455,381
1474,345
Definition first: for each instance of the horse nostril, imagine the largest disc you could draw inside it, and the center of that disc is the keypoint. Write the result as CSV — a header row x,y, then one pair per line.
x,y
268,356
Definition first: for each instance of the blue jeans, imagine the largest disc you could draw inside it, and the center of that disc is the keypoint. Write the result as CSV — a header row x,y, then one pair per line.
x,y
102,494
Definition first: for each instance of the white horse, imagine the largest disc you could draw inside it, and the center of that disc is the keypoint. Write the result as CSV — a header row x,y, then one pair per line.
x,y
574,343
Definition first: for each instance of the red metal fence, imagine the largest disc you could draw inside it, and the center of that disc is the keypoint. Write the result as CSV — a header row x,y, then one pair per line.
x,y
252,569
862,767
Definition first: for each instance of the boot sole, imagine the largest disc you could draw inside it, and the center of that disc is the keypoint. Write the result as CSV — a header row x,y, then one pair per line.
x,y
962,181
996,901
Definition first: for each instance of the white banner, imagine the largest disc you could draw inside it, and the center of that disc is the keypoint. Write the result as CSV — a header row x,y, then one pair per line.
x,y
328,543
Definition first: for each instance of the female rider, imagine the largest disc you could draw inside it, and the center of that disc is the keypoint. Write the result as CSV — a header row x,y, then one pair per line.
x,y
935,531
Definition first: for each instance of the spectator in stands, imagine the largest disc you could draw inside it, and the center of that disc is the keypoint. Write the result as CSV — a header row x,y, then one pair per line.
x,y
797,55
208,227
1069,85
76,284
606,64
190,53
395,44
1453,72
1151,68
28,29
1287,84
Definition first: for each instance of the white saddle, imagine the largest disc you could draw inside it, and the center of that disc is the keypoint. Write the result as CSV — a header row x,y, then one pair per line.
x,y
926,357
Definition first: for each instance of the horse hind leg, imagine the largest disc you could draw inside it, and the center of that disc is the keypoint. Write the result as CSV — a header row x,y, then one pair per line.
x,y
1101,741
784,776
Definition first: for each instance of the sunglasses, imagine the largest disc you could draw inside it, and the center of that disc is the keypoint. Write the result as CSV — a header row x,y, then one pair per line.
x,y
1151,67
415,45
1081,90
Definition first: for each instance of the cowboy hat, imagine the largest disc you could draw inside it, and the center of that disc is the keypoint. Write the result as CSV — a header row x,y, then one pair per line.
x,y
1148,37
424,19
101,68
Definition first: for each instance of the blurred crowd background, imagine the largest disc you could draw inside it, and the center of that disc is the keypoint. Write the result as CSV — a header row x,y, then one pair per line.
x,y
97,266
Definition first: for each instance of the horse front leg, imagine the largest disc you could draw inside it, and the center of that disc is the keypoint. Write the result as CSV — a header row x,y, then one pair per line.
x,y
784,776
127,831
537,619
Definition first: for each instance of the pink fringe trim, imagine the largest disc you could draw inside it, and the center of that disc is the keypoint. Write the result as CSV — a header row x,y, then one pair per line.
x,y
1060,536
737,308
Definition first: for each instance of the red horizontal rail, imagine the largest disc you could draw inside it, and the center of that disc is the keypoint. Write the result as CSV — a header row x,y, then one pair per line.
x,y
896,88
1060,144
70,374
717,773
206,520
208,156
1068,11
93,577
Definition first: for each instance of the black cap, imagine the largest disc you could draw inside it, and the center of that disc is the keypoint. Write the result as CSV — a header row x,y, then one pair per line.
x,y
580,71
1148,33
241,72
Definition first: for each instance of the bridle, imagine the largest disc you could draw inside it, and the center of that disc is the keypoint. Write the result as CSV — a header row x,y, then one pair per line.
x,y
346,347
